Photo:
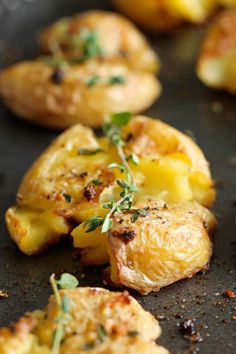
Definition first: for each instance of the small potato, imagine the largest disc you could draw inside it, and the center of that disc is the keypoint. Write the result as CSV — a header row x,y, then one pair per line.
x,y
227,3
99,322
86,93
170,243
166,14
117,38
66,186
217,58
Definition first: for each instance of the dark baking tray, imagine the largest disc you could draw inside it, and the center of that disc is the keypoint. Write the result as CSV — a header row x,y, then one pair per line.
x,y
187,105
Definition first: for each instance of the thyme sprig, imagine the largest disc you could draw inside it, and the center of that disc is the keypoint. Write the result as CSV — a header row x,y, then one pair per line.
x,y
128,187
66,281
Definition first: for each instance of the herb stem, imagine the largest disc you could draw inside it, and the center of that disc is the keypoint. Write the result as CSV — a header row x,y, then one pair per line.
x,y
125,163
55,290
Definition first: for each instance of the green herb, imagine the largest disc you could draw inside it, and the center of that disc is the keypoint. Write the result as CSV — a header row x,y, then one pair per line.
x,y
93,223
87,41
92,81
116,80
139,212
67,281
67,197
127,186
96,182
89,152
133,158
121,119
101,332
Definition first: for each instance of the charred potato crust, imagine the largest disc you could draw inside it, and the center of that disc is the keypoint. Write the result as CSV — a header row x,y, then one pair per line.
x,y
117,36
129,329
30,91
216,62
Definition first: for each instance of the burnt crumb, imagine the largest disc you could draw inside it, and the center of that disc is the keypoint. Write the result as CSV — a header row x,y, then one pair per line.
x,y
178,315
195,338
123,53
129,137
83,174
57,76
187,327
126,235
88,346
162,318
3,294
89,192
229,293
133,333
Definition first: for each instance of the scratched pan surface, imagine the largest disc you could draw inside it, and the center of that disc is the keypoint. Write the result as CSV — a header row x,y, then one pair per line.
x,y
186,104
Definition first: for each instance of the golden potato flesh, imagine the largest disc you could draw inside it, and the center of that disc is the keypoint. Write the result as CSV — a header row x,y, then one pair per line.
x,y
170,243
66,186
117,37
29,90
126,326
164,15
216,62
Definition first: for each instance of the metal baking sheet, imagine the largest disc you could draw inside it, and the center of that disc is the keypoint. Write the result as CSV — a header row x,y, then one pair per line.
x,y
186,104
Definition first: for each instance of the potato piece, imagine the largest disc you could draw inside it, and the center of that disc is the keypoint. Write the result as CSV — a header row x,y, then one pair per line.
x,y
118,314
166,14
29,90
71,181
171,243
216,62
117,37
227,3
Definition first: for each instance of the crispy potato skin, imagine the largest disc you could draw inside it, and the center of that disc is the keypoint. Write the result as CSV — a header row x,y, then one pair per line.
x,y
216,62
169,244
28,90
171,168
119,313
117,36
165,15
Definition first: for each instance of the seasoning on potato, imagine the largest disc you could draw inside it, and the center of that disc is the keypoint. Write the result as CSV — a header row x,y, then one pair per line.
x,y
165,15
85,93
82,320
216,61
82,183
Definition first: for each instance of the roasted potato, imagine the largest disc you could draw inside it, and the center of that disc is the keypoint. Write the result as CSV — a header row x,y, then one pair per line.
x,y
216,62
71,181
127,327
117,37
170,243
32,91
227,3
164,15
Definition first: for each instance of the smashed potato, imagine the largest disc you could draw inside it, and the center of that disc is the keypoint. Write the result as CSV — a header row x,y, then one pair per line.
x,y
117,37
125,325
29,90
71,181
166,14
216,62
170,243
